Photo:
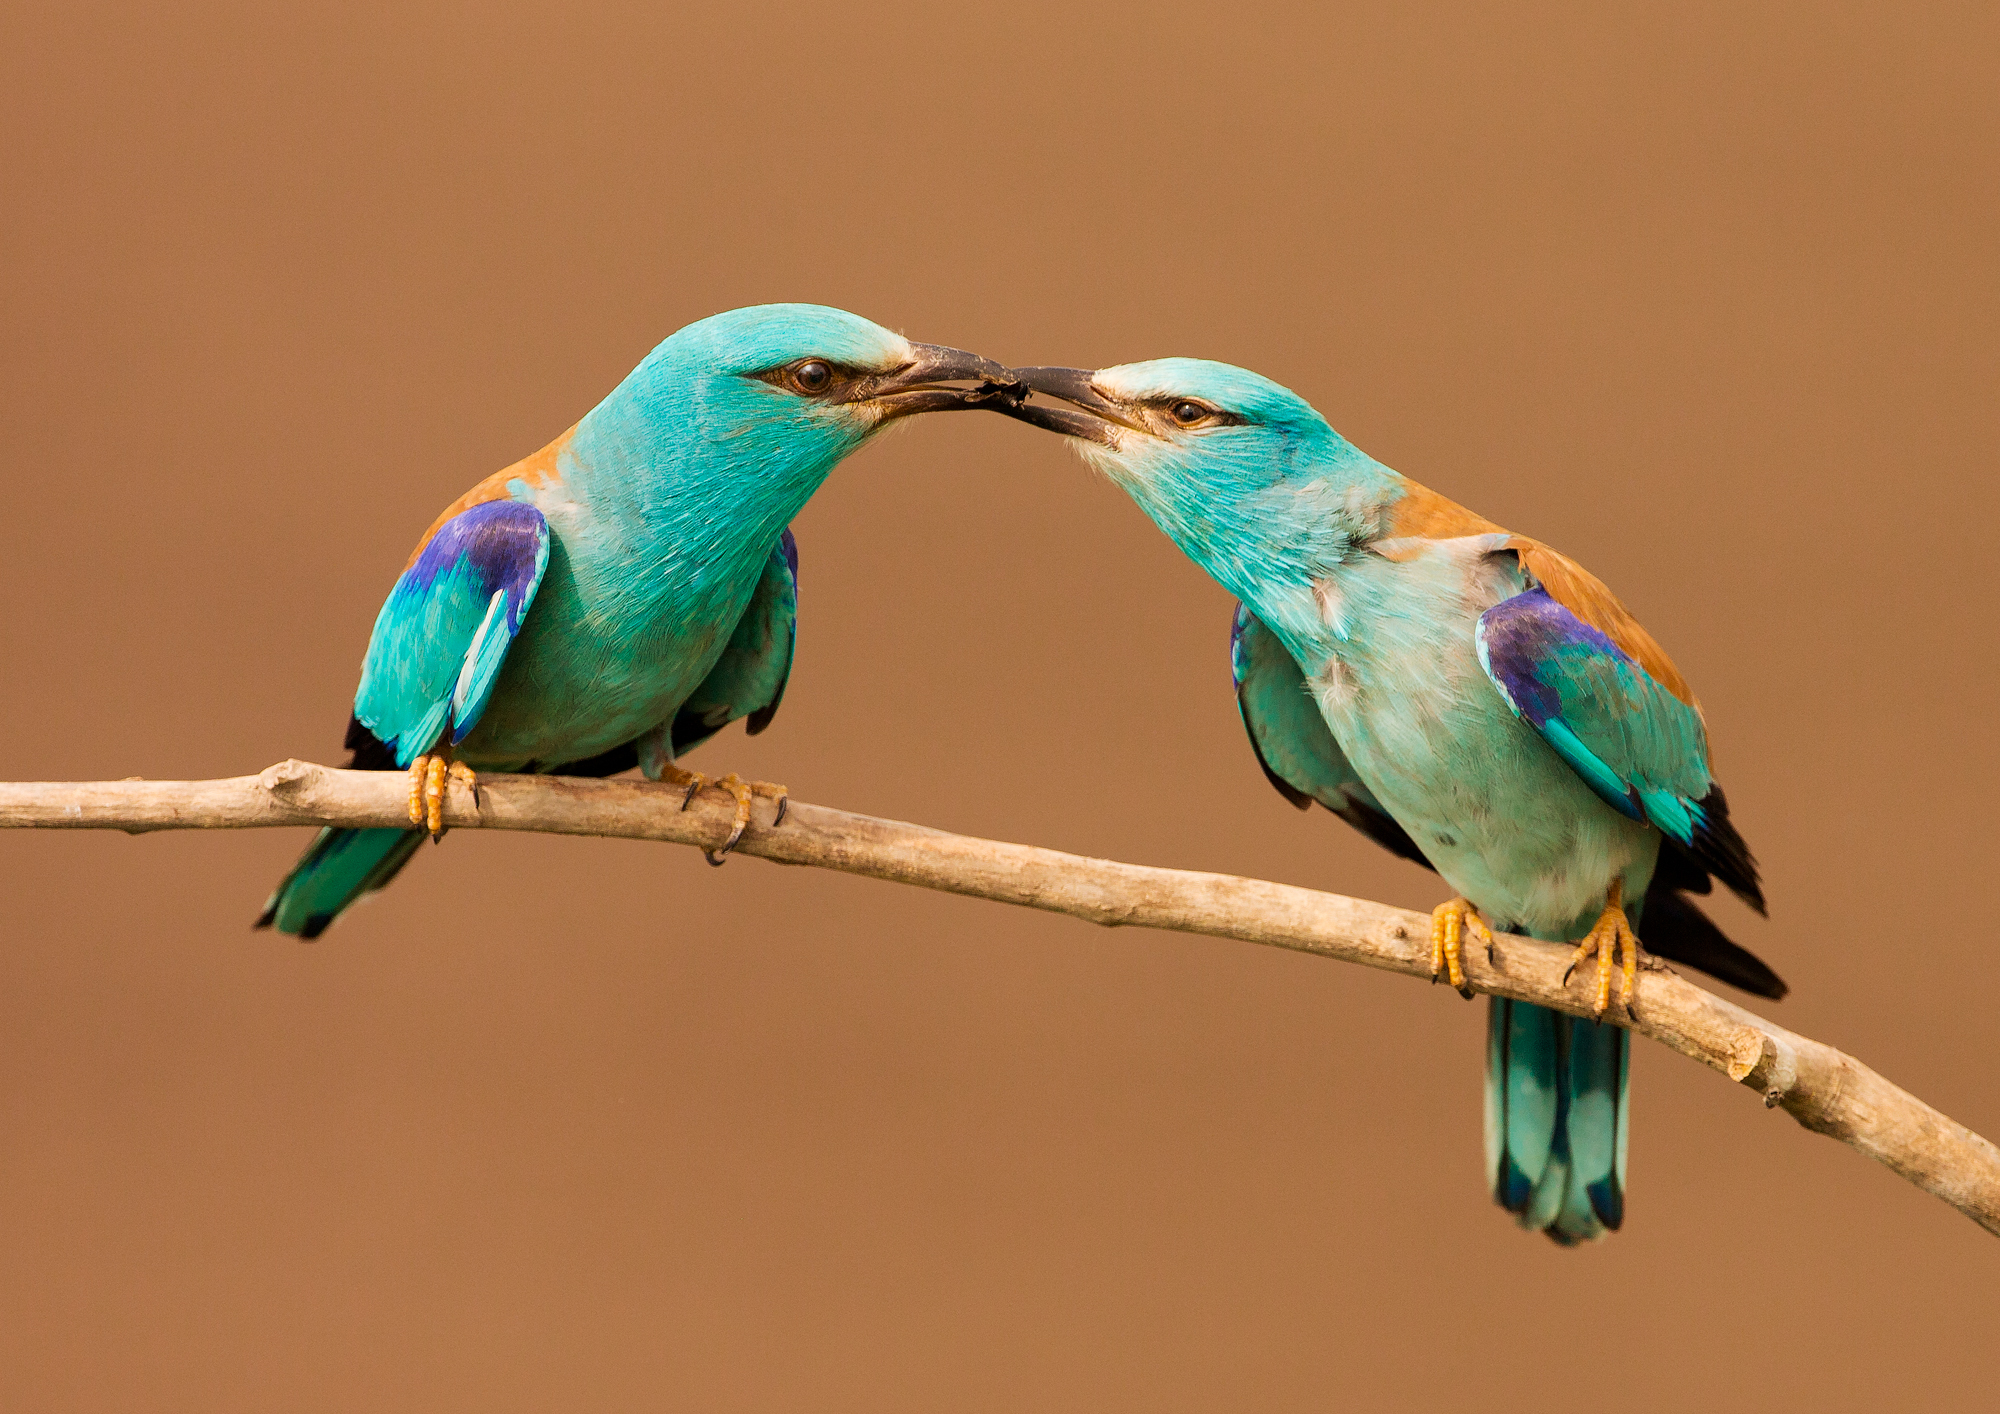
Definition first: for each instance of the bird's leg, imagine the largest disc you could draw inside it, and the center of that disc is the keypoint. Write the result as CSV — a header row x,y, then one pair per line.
x,y
656,762
1450,922
1611,932
428,774
740,790
671,775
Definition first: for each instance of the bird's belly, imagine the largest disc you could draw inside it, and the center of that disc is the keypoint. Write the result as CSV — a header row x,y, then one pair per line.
x,y
580,681
1507,823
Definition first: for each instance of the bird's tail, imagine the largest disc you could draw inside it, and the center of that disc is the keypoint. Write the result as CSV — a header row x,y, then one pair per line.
x,y
1557,1096
338,867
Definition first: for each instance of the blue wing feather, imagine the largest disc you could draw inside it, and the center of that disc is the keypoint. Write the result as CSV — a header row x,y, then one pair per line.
x,y
749,679
445,629
1637,745
1302,760
1292,741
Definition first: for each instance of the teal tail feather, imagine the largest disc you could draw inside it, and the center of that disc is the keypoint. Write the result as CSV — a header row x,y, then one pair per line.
x,y
336,869
1557,1100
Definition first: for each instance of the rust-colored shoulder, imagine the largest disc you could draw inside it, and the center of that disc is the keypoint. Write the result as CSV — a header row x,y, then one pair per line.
x,y
1422,514
537,470
1590,599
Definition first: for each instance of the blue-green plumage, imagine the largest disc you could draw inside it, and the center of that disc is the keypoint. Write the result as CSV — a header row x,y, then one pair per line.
x,y
445,629
624,594
1466,697
338,867
1557,1098
748,680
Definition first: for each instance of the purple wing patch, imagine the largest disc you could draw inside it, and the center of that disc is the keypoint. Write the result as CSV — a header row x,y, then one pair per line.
x,y
789,548
442,634
1520,637
500,541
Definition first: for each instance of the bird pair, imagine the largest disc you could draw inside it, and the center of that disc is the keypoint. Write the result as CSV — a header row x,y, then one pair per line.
x,y
1469,698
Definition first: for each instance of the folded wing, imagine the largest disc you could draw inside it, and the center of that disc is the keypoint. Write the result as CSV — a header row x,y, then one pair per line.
x,y
445,629
1305,764
749,679
1293,744
1640,746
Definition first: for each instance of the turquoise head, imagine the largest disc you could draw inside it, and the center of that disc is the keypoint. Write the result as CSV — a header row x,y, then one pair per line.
x,y
1245,476
741,416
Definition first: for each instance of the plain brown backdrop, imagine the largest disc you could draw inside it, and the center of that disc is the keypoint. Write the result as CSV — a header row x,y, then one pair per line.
x,y
1705,295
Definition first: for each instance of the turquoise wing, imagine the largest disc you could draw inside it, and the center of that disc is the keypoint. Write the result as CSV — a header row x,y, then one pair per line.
x,y
749,679
1640,748
447,625
1292,741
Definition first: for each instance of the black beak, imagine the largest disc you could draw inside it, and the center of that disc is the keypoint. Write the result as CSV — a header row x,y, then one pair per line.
x,y
931,382
1094,417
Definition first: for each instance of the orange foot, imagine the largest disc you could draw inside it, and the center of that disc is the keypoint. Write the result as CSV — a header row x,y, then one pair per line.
x,y
1449,923
427,777
740,790
1607,936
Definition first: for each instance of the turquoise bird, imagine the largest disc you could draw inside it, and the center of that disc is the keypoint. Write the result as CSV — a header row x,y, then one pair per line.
x,y
626,592
1469,698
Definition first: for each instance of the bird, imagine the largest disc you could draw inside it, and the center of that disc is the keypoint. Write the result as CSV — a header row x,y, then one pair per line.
x,y
1469,698
620,596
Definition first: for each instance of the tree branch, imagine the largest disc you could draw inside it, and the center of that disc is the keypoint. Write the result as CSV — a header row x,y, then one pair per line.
x,y
1822,1088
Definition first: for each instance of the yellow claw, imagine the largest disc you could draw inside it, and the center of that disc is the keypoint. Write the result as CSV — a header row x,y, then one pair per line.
x,y
1450,923
428,775
740,790
1611,933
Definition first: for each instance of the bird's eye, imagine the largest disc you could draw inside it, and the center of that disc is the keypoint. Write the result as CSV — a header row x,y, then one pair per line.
x,y
813,376
1187,414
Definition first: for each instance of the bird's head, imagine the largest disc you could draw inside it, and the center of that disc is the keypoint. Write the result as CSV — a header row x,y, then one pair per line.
x,y
803,383
1226,461
726,429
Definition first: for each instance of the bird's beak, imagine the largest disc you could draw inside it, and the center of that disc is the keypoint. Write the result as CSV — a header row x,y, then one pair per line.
x,y
935,381
1093,417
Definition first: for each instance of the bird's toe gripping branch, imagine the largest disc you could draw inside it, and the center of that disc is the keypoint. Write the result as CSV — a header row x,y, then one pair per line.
x,y
428,775
1611,933
1450,924
740,790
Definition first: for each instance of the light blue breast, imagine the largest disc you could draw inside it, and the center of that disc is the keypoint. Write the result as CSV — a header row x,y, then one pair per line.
x,y
1506,821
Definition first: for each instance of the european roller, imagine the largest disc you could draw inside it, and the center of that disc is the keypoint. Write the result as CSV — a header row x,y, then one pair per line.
x,y
1471,699
629,590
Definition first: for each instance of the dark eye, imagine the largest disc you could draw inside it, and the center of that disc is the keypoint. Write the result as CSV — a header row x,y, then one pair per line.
x,y
1187,414
812,376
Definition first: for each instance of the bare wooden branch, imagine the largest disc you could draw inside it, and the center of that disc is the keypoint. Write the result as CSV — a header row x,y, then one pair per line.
x,y
1824,1089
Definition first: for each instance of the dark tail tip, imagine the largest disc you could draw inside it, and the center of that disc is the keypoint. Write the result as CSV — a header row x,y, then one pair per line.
x,y
1680,932
1607,1200
1721,849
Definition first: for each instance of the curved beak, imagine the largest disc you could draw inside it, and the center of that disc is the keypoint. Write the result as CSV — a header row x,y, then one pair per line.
x,y
1092,416
935,381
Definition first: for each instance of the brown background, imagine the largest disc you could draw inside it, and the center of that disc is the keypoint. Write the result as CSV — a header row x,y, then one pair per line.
x,y
1707,298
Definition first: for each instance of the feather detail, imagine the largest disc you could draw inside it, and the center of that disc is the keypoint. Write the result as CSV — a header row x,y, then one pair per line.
x,y
445,628
1558,1097
534,471
1422,514
338,867
749,679
1292,741
1587,596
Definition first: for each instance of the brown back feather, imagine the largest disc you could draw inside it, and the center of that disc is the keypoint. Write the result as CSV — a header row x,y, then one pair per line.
x,y
1423,514
536,470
